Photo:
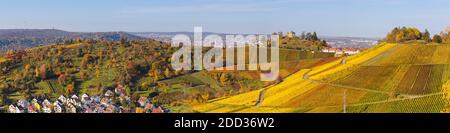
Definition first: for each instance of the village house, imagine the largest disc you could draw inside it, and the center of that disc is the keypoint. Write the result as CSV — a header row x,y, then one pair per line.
x,y
119,90
342,51
142,101
88,104
85,98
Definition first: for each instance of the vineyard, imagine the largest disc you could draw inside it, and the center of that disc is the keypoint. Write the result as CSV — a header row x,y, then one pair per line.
x,y
386,78
414,54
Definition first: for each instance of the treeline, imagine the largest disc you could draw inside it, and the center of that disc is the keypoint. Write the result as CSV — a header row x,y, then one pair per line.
x,y
78,66
307,41
443,37
17,39
408,34
96,63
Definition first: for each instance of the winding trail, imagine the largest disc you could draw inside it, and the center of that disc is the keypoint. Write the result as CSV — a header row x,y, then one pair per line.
x,y
259,99
329,106
404,97
306,77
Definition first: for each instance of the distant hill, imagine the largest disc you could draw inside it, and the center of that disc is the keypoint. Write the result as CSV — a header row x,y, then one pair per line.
x,y
24,38
350,42
167,36
333,41
144,69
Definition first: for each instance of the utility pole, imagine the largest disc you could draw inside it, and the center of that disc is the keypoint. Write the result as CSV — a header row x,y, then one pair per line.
x,y
345,101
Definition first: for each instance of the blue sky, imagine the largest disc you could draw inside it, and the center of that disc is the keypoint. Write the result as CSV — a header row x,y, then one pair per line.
x,y
364,18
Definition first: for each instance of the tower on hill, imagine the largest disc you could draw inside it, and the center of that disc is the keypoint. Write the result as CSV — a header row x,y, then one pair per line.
x,y
290,34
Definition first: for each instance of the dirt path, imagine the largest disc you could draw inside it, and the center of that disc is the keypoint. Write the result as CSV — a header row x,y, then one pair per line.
x,y
402,97
260,97
306,77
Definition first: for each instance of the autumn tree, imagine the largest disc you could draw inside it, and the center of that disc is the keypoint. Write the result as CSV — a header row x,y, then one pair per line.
x,y
84,61
27,93
36,72
205,97
131,68
167,73
80,52
303,35
445,37
403,34
97,73
311,37
43,72
27,67
100,55
306,41
62,79
69,88
178,72
437,39
155,74
426,36
223,78
82,75
3,96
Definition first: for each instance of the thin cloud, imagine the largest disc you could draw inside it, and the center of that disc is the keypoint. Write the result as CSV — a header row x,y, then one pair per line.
x,y
222,6
200,8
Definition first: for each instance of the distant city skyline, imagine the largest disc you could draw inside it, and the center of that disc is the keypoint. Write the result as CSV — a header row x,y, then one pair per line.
x,y
357,18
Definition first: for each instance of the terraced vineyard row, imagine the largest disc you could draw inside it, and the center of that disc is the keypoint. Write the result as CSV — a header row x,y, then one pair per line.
x,y
414,54
289,67
428,104
370,77
386,78
403,79
295,55
322,71
325,95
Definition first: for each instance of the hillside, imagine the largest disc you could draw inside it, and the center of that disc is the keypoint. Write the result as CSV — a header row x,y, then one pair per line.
x,y
25,38
141,68
386,78
304,42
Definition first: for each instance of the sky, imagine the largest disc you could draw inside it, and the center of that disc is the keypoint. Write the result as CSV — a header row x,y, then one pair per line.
x,y
357,18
